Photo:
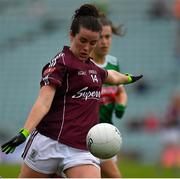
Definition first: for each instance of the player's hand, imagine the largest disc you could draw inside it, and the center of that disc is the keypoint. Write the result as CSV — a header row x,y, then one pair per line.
x,y
132,79
11,145
119,110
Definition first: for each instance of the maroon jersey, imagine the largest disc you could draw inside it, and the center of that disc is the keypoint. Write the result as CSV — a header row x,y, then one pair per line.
x,y
75,107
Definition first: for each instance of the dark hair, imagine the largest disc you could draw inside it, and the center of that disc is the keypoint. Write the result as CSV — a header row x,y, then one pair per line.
x,y
117,30
86,16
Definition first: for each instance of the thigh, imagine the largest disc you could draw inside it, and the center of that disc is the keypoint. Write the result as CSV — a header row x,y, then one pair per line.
x,y
109,169
83,171
27,172
76,160
40,154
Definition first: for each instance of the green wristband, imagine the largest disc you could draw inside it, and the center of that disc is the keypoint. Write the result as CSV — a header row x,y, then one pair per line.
x,y
119,110
120,107
25,132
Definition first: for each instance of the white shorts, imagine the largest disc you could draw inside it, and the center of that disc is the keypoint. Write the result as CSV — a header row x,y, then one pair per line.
x,y
48,156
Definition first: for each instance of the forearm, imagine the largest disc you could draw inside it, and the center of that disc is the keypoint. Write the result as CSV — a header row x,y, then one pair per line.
x,y
36,114
121,102
121,96
40,107
116,78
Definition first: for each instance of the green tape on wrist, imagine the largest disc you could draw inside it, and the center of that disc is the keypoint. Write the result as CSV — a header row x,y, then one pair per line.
x,y
25,132
129,79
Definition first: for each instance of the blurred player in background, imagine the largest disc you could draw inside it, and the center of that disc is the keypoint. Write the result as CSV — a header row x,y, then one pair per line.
x,y
113,98
67,106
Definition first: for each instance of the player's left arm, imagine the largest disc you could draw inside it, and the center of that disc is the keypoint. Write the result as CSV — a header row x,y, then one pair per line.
x,y
117,78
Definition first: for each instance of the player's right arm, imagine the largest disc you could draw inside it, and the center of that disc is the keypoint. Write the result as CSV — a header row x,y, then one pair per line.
x,y
40,107
52,77
38,111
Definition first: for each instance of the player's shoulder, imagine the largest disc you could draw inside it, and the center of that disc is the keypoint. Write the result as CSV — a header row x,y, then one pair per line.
x,y
65,53
111,59
92,62
59,56
95,65
62,57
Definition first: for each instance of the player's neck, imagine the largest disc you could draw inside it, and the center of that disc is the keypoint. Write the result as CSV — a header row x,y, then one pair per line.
x,y
99,59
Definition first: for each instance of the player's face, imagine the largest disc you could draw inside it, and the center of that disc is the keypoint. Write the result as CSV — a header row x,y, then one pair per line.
x,y
104,43
83,43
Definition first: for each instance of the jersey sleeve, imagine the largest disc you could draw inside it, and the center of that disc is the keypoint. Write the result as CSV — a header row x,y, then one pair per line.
x,y
53,73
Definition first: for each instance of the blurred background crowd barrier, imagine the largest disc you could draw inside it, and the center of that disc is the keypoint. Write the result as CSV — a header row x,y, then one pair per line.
x,y
33,31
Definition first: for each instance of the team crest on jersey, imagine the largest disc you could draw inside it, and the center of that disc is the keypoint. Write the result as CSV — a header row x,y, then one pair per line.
x,y
33,154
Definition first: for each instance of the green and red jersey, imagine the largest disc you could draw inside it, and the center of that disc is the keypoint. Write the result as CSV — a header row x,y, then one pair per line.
x,y
107,101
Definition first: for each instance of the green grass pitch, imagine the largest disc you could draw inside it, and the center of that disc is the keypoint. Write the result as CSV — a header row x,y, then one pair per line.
x,y
129,169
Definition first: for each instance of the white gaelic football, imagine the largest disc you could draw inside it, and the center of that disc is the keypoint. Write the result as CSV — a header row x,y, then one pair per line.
x,y
104,140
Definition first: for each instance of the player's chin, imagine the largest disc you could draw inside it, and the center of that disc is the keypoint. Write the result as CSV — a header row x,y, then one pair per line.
x,y
104,51
83,57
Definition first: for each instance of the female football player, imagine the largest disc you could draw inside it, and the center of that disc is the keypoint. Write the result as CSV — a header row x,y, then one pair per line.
x,y
67,106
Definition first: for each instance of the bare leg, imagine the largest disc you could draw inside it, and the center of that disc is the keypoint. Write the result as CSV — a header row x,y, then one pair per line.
x,y
83,171
109,169
27,172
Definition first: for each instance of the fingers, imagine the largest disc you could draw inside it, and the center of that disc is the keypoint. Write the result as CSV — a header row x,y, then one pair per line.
x,y
135,78
8,146
5,146
132,79
13,149
8,143
140,76
8,149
